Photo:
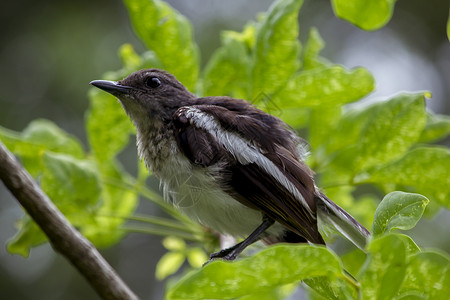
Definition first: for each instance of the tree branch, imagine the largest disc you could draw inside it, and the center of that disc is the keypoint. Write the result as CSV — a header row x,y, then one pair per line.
x,y
63,237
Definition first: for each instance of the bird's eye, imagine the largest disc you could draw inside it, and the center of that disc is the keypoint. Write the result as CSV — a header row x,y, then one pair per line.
x,y
153,82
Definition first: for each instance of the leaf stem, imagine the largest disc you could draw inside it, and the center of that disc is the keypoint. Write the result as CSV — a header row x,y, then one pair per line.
x,y
164,223
152,196
351,280
161,232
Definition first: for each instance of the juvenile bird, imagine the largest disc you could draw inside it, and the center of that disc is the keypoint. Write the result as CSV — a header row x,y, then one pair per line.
x,y
227,164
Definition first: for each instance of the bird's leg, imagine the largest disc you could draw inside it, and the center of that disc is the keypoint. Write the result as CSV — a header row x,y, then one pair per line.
x,y
232,252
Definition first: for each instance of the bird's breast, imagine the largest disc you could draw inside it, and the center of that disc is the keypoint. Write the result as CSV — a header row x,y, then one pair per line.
x,y
196,193
195,190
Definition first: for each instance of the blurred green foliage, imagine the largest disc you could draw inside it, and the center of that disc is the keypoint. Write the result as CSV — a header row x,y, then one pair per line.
x,y
368,15
383,144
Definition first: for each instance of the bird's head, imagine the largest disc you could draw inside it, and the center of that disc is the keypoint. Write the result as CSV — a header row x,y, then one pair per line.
x,y
148,96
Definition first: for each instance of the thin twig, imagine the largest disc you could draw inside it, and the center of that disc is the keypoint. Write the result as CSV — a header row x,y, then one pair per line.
x,y
63,237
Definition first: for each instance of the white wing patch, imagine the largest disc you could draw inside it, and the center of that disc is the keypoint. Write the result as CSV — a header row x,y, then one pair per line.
x,y
244,152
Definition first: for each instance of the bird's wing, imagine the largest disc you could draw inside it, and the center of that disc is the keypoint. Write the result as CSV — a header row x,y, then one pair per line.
x,y
274,182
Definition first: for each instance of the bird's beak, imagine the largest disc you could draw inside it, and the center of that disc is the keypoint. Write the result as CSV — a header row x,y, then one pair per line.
x,y
111,87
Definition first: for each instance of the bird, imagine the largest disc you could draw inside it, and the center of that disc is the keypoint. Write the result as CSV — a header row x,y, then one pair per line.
x,y
228,165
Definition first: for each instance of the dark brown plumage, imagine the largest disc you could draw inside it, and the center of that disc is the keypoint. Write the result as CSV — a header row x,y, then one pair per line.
x,y
228,164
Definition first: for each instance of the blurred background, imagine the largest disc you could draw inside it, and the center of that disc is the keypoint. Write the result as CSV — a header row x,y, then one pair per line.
x,y
50,51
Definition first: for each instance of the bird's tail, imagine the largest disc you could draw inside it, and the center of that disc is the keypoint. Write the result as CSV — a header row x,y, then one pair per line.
x,y
329,213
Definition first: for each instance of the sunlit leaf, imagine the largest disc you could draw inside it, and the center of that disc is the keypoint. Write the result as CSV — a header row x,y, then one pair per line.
x,y
279,293
168,34
368,15
354,260
39,136
448,26
130,59
384,269
311,58
197,257
398,210
29,235
73,185
169,264
270,268
296,117
331,289
428,274
277,48
227,72
411,296
117,203
108,127
323,120
333,85
174,244
436,128
409,171
375,134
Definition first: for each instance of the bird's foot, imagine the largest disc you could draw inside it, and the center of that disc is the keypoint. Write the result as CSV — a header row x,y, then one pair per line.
x,y
226,254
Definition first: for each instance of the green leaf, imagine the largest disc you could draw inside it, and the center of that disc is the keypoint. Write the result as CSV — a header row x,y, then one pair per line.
x,y
331,289
385,267
169,264
48,135
448,26
227,72
29,235
72,184
398,210
323,120
39,136
169,35
275,266
375,134
411,296
130,59
108,127
333,85
108,130
279,293
424,168
366,14
277,48
411,246
314,44
197,257
117,204
428,274
436,128
174,244
296,117
133,62
364,208
354,260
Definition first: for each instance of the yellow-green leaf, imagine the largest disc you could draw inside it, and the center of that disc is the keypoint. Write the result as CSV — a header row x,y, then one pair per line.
x,y
169,264
398,210
197,257
428,274
266,270
168,34
384,269
174,244
366,14
277,48
426,169
329,86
